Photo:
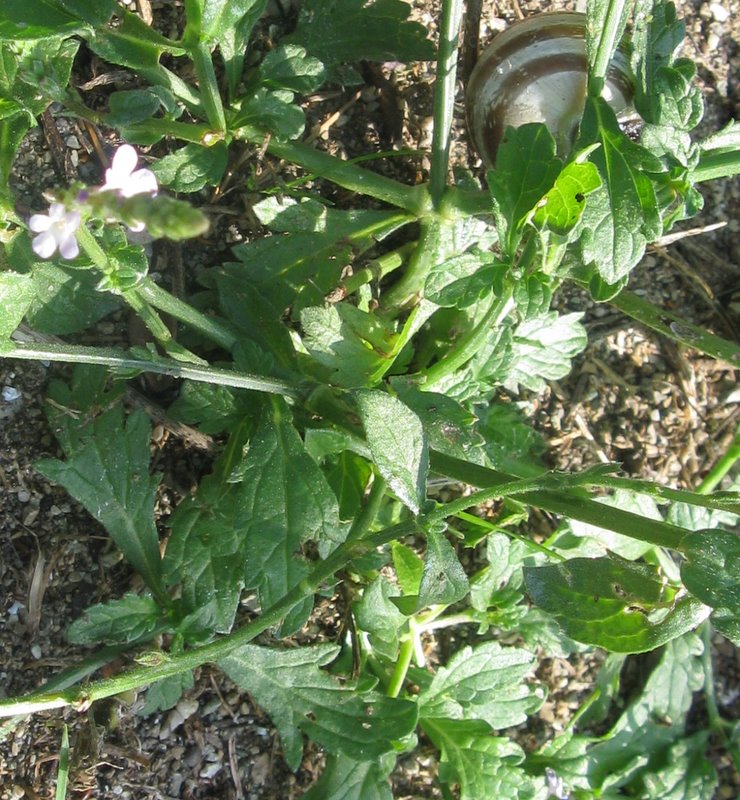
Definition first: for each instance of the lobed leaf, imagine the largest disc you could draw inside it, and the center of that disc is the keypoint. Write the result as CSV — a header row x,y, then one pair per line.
x,y
344,778
290,686
131,618
191,167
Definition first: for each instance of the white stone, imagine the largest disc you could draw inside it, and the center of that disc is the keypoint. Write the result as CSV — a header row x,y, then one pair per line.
x,y
719,12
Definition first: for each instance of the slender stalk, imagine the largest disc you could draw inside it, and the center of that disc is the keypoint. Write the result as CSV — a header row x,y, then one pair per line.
x,y
405,654
444,96
122,361
608,30
568,503
163,665
722,467
63,769
423,258
675,327
161,299
411,198
472,341
366,517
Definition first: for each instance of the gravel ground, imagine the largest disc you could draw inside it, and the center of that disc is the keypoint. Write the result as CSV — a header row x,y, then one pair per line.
x,y
665,412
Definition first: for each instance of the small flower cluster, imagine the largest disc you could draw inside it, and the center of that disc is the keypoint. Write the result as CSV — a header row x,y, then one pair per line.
x,y
56,230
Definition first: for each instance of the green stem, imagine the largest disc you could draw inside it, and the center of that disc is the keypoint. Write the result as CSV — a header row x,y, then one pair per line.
x,y
201,56
409,288
405,654
122,361
161,299
472,341
411,198
567,503
716,723
366,517
722,467
609,30
166,665
376,269
444,96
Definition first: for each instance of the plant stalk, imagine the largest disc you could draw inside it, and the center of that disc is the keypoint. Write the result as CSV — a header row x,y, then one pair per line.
x,y
722,467
444,96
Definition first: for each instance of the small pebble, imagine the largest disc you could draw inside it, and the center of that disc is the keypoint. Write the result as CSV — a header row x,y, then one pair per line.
x,y
73,142
36,651
11,394
719,12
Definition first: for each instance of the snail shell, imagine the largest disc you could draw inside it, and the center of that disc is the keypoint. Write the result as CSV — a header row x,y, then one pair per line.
x,y
536,71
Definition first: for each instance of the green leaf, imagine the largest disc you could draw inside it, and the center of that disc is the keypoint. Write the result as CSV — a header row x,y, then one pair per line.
x,y
163,695
270,111
132,43
397,443
289,67
245,526
711,573
16,296
687,774
214,409
118,621
611,603
131,106
526,169
337,31
358,347
299,696
443,580
483,683
409,568
621,217
561,208
107,468
482,766
349,477
464,280
449,427
380,618
344,778
21,20
542,349
654,720
191,167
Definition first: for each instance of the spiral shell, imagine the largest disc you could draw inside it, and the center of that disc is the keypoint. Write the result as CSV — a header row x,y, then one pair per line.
x,y
536,71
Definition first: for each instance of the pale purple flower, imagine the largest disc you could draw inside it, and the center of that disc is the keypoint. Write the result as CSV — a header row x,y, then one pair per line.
x,y
125,178
55,230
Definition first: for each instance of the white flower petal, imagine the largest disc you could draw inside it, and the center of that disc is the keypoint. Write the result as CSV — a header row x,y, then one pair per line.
x,y
71,221
143,180
124,161
68,247
44,244
57,211
40,222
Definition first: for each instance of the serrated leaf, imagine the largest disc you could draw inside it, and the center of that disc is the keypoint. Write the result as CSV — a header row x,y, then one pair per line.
x,y
711,573
249,533
526,169
654,720
397,443
344,778
132,43
337,31
483,683
117,621
214,409
622,216
270,111
107,470
16,296
299,696
409,568
443,580
288,66
191,167
380,618
611,603
449,427
542,349
481,765
687,774
464,280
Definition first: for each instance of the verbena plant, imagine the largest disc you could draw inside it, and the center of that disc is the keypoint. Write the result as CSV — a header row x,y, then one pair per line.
x,y
339,373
